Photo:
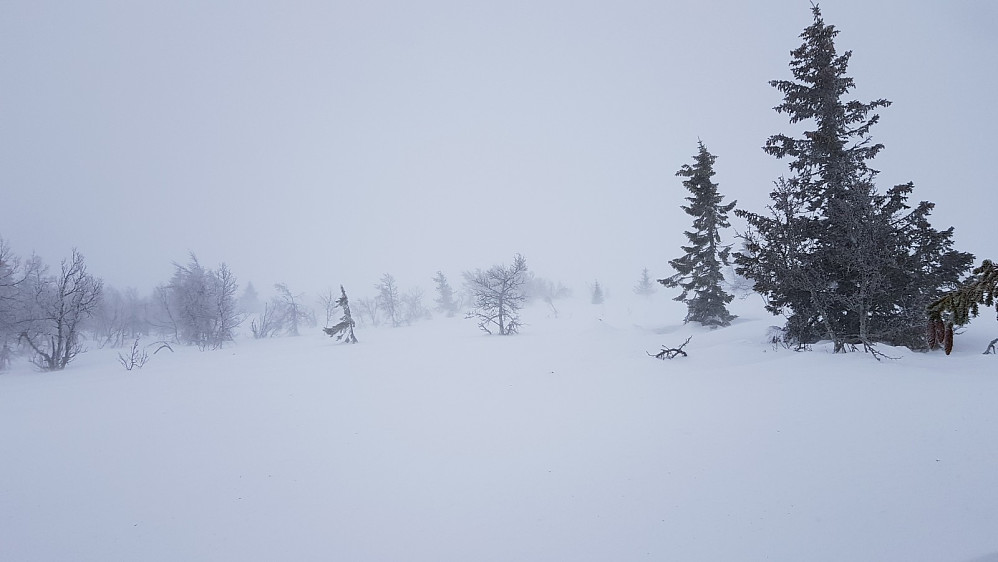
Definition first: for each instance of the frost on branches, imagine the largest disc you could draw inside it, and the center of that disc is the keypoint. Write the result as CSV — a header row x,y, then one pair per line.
x,y
498,296
343,330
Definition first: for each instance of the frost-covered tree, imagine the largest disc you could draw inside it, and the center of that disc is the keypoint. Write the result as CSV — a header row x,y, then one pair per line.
x,y
58,307
249,301
370,309
596,295
413,308
833,254
445,300
15,278
645,286
498,296
199,305
120,318
328,302
343,330
389,300
293,309
270,321
698,270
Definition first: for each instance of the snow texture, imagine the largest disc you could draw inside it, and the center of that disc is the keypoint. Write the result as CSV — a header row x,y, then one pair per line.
x,y
565,442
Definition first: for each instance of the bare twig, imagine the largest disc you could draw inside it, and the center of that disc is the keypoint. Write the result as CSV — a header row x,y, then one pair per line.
x,y
671,352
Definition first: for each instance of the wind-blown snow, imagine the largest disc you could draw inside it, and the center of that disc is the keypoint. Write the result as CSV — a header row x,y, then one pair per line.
x,y
566,442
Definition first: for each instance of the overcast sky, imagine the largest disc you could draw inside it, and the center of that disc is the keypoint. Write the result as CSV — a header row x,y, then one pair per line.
x,y
323,142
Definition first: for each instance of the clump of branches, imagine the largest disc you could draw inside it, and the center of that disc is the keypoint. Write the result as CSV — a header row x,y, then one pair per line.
x,y
671,352
136,358
960,305
139,357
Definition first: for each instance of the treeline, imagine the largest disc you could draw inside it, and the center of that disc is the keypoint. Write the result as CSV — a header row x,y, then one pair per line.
x,y
51,316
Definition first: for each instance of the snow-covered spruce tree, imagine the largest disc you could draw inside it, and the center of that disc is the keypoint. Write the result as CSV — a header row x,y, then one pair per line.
x,y
645,284
498,294
343,330
832,253
596,293
698,271
445,295
389,299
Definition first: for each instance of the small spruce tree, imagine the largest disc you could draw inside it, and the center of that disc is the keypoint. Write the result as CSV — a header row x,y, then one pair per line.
x,y
698,271
445,295
645,285
343,329
597,293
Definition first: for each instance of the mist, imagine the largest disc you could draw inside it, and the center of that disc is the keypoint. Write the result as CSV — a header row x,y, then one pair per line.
x,y
320,144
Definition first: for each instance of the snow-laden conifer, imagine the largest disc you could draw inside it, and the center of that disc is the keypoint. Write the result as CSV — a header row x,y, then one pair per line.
x,y
841,261
698,270
343,330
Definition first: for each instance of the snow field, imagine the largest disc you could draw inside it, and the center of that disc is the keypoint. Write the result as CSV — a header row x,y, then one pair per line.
x,y
565,442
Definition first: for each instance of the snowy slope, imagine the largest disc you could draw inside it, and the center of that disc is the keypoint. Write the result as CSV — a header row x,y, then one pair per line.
x,y
566,442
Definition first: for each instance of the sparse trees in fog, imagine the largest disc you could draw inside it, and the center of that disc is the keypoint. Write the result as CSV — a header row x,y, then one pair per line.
x,y
249,301
698,270
389,300
270,322
596,293
498,296
199,304
343,330
58,306
291,307
535,287
328,302
15,274
645,284
413,308
445,295
368,308
121,317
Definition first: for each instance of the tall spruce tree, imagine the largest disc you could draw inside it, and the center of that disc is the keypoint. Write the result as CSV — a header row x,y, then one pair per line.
x,y
833,254
698,271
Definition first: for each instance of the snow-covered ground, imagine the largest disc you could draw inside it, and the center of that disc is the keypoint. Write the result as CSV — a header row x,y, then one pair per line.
x,y
565,442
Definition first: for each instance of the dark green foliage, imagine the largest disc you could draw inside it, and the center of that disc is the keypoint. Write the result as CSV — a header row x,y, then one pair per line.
x,y
344,329
698,271
963,303
840,260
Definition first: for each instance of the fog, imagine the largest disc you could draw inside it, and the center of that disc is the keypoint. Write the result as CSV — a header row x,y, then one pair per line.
x,y
326,143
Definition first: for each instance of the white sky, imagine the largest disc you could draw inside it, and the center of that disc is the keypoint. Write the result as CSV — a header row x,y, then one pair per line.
x,y
320,143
